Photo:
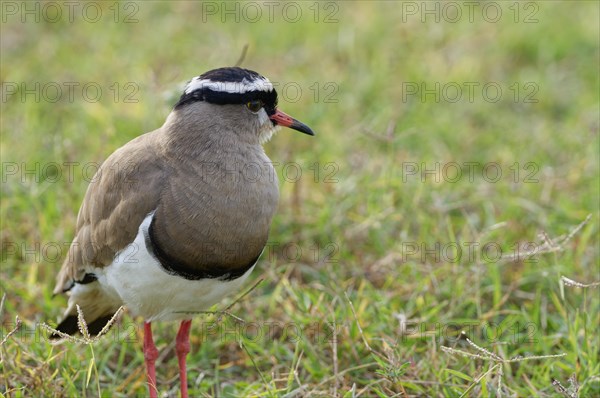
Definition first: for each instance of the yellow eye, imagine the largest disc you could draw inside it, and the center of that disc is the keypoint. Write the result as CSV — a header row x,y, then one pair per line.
x,y
255,105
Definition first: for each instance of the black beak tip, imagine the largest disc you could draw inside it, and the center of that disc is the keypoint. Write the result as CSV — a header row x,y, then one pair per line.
x,y
301,127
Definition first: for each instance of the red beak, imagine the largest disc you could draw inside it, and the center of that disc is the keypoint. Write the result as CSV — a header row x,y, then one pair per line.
x,y
282,119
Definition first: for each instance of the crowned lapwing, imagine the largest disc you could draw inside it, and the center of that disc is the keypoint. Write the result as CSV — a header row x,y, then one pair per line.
x,y
177,218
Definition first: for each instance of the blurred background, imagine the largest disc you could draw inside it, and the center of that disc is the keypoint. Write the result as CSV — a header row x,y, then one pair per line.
x,y
456,155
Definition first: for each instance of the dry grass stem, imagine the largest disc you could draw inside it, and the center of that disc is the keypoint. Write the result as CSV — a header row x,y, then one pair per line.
x,y
226,310
547,245
494,358
13,331
85,338
570,282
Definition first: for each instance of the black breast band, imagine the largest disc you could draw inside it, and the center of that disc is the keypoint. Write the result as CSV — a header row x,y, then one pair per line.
x,y
176,267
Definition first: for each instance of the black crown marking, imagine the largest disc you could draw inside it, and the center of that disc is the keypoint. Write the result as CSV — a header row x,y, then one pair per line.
x,y
231,74
230,85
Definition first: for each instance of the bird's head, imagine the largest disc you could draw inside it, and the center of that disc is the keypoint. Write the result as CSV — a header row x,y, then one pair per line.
x,y
243,97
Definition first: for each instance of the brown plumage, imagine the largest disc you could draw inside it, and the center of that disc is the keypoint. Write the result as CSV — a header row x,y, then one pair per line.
x,y
211,208
177,218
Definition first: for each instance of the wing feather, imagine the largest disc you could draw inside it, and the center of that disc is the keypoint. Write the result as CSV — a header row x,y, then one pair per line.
x,y
126,187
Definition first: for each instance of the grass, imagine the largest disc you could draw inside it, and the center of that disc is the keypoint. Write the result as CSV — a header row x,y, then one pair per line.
x,y
373,266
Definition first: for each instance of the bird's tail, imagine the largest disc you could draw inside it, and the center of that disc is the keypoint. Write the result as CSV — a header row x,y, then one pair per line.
x,y
97,306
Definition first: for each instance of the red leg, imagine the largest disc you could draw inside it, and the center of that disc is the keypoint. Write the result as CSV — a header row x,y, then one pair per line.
x,y
150,355
182,347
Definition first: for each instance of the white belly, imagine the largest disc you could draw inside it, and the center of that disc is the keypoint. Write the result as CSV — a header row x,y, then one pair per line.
x,y
140,282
